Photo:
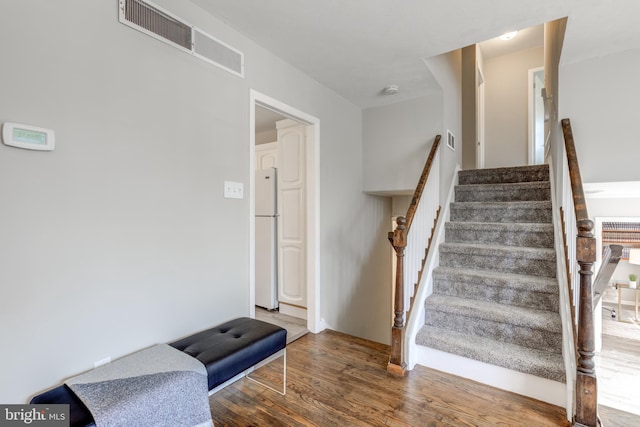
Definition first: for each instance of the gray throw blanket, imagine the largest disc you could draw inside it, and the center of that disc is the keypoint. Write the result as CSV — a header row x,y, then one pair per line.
x,y
158,386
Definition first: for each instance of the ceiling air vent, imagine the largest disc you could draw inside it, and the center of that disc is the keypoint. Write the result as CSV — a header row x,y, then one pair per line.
x,y
152,20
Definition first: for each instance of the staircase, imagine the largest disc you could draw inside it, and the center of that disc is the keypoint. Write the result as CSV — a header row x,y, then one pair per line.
x,y
495,296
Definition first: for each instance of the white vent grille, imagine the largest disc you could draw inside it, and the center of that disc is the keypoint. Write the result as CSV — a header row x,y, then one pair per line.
x,y
451,140
212,50
158,23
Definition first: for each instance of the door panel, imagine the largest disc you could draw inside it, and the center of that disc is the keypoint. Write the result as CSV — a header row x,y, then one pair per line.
x,y
292,287
292,146
291,202
266,156
293,276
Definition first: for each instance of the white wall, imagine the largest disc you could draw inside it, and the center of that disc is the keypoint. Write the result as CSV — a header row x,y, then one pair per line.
x,y
397,140
613,207
506,107
602,120
554,32
397,137
121,238
600,96
400,205
447,70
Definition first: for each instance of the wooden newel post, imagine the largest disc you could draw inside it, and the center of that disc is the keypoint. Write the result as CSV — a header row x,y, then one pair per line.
x,y
398,239
586,398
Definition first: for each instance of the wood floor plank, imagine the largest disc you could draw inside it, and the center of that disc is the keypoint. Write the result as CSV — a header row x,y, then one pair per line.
x,y
338,380
618,370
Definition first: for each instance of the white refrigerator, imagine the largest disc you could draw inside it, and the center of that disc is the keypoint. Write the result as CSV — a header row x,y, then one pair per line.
x,y
266,266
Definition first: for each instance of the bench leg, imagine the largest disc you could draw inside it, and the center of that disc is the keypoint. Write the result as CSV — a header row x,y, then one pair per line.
x,y
282,353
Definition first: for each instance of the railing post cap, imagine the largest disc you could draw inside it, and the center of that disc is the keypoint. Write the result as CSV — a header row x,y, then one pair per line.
x,y
585,223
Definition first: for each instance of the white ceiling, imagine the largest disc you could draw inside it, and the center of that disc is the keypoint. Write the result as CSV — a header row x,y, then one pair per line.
x,y
357,47
525,39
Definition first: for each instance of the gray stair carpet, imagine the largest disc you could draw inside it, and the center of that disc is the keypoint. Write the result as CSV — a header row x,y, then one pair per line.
x,y
495,293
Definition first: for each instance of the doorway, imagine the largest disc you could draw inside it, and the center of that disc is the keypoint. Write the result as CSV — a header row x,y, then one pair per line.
x,y
536,116
310,206
616,327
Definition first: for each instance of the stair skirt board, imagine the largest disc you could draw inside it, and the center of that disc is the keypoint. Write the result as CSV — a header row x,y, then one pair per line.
x,y
549,391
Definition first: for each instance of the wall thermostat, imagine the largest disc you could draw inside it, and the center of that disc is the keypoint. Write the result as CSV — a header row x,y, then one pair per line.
x,y
28,137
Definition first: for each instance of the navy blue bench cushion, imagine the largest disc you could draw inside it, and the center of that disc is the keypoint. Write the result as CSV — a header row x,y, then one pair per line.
x,y
79,415
228,349
225,350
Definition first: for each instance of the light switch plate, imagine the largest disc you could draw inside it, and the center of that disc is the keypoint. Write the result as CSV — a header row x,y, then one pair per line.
x,y
233,190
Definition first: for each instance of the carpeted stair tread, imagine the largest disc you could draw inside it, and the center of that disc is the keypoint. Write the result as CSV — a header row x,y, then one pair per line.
x,y
535,319
516,226
502,212
519,290
503,192
495,278
504,186
475,248
506,259
539,235
504,175
540,363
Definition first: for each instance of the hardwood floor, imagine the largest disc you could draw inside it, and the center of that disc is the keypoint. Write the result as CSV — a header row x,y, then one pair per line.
x,y
618,370
295,327
338,380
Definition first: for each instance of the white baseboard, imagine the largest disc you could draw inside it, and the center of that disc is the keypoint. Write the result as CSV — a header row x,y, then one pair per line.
x,y
517,382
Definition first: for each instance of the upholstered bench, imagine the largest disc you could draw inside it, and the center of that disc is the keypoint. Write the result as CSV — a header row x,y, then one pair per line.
x,y
233,347
226,351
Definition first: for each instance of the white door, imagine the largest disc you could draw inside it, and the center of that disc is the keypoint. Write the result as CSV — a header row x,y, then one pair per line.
x,y
536,116
480,123
538,79
292,227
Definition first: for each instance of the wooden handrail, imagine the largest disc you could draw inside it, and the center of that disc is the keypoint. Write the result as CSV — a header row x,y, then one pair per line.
x,y
398,239
417,194
586,381
579,203
610,260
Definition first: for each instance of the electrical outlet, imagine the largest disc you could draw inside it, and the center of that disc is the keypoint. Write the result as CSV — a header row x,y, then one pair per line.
x,y
102,362
233,190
